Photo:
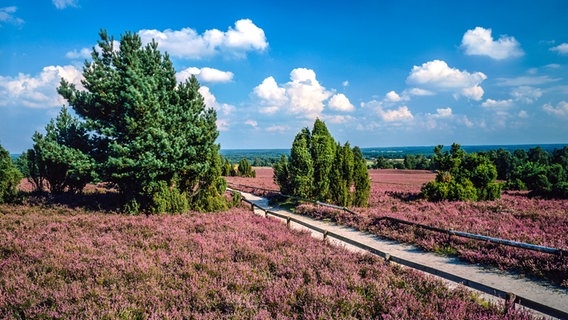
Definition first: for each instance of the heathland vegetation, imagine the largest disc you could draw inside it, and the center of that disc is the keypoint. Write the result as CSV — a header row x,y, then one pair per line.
x,y
515,216
149,143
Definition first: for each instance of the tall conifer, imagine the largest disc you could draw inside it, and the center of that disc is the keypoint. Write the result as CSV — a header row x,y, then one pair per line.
x,y
151,134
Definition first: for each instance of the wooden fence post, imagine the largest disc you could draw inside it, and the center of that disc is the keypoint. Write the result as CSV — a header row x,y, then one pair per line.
x,y
288,222
510,302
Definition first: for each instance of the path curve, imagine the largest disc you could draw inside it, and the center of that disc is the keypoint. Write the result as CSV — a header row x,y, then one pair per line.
x,y
544,293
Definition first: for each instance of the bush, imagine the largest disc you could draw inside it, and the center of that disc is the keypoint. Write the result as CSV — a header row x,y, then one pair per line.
x,y
168,199
9,177
462,177
244,169
515,184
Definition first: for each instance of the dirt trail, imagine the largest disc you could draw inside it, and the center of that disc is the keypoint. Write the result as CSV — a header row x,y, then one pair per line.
x,y
540,292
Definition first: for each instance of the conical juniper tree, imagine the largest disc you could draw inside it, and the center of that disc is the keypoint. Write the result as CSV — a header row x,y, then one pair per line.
x,y
323,155
153,138
361,181
334,181
301,165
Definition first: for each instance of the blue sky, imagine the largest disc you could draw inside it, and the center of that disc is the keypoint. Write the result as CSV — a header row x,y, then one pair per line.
x,y
379,73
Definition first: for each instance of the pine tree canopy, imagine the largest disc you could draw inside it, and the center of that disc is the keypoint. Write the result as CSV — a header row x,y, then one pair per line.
x,y
153,137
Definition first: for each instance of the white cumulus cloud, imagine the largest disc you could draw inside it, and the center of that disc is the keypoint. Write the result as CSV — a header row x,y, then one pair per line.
x,y
273,97
526,94
479,41
62,4
84,53
419,92
205,75
39,91
523,114
400,114
245,36
443,113
277,128
561,109
340,102
437,75
7,16
490,103
302,96
251,123
561,48
222,109
338,118
392,96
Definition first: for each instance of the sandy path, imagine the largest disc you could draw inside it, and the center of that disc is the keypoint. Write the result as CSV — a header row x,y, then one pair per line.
x,y
543,293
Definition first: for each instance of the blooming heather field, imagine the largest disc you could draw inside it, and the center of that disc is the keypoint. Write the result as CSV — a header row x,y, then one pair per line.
x,y
514,217
63,263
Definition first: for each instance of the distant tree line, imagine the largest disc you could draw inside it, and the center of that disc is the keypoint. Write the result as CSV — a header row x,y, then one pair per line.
x,y
543,173
322,169
409,162
255,160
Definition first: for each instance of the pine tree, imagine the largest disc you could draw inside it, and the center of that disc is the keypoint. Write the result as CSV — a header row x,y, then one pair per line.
x,y
60,157
150,131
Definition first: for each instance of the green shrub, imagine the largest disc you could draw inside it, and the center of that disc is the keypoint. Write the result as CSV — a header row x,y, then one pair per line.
x,y
462,177
9,177
168,199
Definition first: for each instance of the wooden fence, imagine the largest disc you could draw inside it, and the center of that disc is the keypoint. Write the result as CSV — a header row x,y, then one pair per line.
x,y
509,297
510,243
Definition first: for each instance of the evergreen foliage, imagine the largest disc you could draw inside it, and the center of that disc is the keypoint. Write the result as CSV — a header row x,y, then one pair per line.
x,y
282,175
301,167
320,168
323,155
228,169
151,136
244,169
10,177
544,174
360,179
462,177
60,159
